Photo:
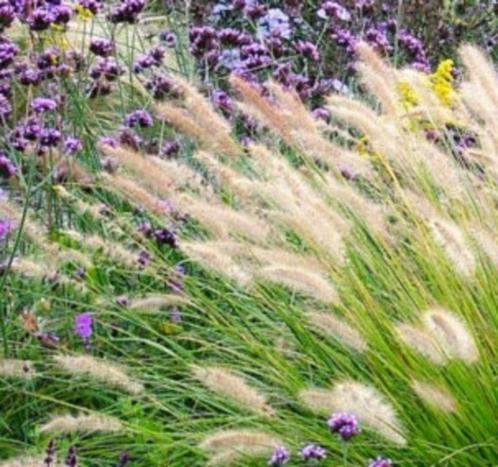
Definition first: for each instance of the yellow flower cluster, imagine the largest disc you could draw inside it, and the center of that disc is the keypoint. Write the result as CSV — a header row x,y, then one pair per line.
x,y
407,94
84,14
442,82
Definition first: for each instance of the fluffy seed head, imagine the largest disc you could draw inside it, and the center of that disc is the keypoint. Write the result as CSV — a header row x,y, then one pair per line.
x,y
81,423
364,402
435,396
235,439
233,387
100,370
338,329
451,334
13,368
422,342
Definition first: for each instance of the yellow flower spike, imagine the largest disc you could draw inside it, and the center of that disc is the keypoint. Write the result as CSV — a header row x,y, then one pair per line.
x,y
407,94
442,82
83,14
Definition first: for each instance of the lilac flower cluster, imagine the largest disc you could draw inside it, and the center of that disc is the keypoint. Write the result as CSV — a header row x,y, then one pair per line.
x,y
344,424
380,462
7,226
162,236
313,452
279,457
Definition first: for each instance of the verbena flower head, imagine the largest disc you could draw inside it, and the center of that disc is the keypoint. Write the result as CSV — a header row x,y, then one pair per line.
x,y
127,11
380,462
7,226
140,118
101,46
7,167
83,323
168,37
72,145
279,457
313,452
344,424
43,104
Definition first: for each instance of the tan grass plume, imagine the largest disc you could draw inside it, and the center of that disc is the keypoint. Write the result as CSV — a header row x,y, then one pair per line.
x,y
337,328
238,439
232,386
367,404
452,334
101,370
13,368
421,341
81,423
435,396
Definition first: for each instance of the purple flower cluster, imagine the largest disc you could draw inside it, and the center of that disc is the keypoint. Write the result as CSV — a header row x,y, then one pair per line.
x,y
344,424
7,226
313,452
127,11
162,236
279,457
83,325
7,167
139,118
380,462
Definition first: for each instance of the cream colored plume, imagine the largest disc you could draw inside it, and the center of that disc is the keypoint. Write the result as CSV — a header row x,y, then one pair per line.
x,y
436,397
451,334
81,423
422,341
231,386
24,461
308,282
101,370
211,256
367,404
239,439
453,242
152,303
13,368
337,328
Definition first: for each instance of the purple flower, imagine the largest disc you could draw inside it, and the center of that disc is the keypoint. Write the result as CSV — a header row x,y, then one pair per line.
x,y
313,451
165,236
279,457
7,168
321,113
143,259
274,24
308,50
175,315
29,76
380,462
92,5
8,51
344,424
127,11
140,118
43,104
170,148
107,68
7,226
72,145
129,138
168,37
41,19
102,47
50,137
124,459
223,101
109,141
5,107
83,325
7,14
50,453
62,14
333,10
